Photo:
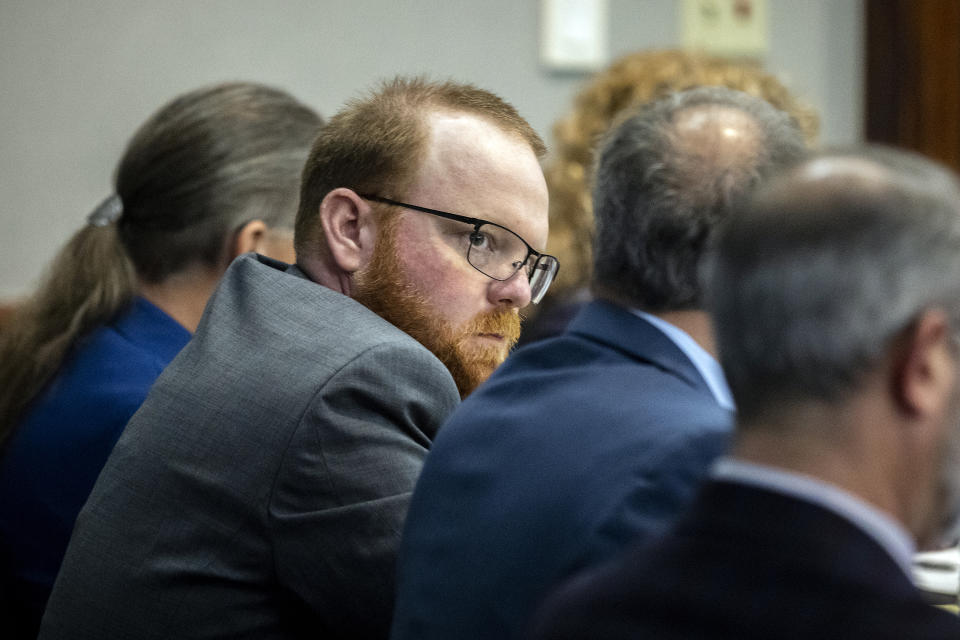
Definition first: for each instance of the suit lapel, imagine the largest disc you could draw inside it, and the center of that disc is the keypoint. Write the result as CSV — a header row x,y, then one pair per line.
x,y
630,334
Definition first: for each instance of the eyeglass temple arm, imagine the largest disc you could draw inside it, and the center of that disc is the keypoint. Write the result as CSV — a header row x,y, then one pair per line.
x,y
476,222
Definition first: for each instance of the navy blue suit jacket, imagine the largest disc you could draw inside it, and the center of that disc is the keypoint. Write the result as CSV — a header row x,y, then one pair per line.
x,y
748,564
58,448
575,447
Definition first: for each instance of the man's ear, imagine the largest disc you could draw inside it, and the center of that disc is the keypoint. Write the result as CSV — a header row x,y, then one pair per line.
x,y
248,238
925,365
349,228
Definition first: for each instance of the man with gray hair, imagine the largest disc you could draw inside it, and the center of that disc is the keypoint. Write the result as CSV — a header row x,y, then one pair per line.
x,y
836,298
580,444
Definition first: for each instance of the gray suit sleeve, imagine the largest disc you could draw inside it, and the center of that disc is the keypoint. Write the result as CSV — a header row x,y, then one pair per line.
x,y
342,492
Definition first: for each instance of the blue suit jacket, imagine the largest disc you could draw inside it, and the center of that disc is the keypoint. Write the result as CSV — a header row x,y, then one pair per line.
x,y
59,447
575,447
748,564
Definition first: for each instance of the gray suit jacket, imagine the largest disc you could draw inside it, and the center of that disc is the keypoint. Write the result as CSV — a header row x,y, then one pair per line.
x,y
260,490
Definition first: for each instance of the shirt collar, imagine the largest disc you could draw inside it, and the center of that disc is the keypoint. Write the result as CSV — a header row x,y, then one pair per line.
x,y
706,364
880,526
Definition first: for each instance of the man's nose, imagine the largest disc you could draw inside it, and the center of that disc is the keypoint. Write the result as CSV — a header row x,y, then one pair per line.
x,y
514,292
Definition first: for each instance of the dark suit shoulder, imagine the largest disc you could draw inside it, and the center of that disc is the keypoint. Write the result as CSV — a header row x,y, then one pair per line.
x,y
776,567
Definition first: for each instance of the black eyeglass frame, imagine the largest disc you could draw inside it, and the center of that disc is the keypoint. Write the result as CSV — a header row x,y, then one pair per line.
x,y
477,223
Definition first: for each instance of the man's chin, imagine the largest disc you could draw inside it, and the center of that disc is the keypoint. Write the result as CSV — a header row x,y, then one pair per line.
x,y
475,360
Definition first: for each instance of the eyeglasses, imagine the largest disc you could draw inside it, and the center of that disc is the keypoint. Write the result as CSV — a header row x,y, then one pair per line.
x,y
495,251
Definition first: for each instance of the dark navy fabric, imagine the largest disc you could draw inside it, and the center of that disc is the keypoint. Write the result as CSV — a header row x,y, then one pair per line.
x,y
748,564
575,447
49,466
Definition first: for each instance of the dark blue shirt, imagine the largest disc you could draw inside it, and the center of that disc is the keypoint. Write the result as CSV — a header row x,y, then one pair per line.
x,y
51,462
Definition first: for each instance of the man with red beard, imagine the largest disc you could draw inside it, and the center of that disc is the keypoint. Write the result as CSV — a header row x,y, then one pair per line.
x,y
261,489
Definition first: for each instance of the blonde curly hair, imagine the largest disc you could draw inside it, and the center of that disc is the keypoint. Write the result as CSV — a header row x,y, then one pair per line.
x,y
630,81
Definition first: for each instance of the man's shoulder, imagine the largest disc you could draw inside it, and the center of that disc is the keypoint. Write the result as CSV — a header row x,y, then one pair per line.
x,y
271,341
575,370
606,337
270,305
723,571
283,295
729,605
594,400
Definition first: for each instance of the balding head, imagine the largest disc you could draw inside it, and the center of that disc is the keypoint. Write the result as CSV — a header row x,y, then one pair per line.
x,y
715,138
666,176
827,265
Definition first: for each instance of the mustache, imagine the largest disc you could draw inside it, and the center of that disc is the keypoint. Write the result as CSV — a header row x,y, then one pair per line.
x,y
502,322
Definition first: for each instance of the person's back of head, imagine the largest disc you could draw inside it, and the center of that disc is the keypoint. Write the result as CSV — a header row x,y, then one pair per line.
x,y
823,269
205,167
630,81
667,175
836,300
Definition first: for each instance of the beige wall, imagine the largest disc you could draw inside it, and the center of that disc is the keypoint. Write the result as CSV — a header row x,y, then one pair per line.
x,y
78,76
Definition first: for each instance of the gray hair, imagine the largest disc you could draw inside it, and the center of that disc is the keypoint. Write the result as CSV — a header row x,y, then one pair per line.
x,y
658,196
205,164
827,265
198,169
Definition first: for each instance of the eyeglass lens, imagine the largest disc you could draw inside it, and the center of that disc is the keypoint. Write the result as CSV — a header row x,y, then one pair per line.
x,y
499,253
495,251
544,270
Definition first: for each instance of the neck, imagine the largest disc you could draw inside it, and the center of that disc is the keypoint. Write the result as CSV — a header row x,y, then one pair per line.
x,y
697,324
857,446
183,295
326,273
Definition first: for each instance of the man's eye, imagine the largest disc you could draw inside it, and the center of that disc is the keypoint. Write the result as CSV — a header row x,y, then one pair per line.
x,y
479,240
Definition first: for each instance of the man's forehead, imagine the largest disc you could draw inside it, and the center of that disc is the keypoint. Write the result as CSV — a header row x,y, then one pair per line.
x,y
443,119
473,167
457,137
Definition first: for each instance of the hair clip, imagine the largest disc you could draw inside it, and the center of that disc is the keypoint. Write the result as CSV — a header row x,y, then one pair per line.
x,y
107,212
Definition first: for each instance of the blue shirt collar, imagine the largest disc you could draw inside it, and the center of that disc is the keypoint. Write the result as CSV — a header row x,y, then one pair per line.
x,y
706,365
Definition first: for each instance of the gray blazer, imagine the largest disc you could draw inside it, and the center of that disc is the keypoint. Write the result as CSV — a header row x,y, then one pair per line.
x,y
260,490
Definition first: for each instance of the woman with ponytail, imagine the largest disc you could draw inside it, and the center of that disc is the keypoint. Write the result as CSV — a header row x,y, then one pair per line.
x,y
212,174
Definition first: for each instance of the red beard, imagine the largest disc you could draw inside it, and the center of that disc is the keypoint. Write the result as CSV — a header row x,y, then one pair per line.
x,y
383,288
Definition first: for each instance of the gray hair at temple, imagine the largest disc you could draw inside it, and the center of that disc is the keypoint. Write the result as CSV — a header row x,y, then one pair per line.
x,y
666,175
827,265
